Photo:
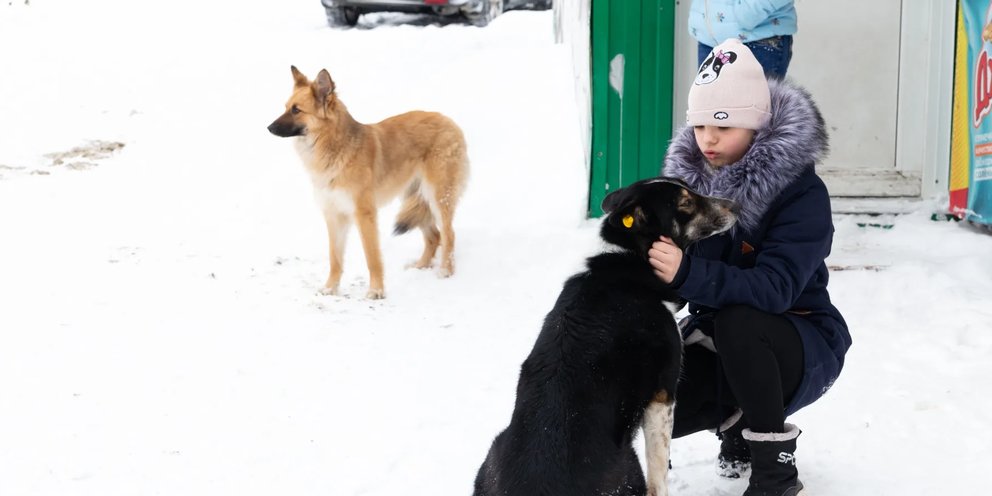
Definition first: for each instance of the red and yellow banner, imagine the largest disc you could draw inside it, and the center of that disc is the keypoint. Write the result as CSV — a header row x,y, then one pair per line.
x,y
971,132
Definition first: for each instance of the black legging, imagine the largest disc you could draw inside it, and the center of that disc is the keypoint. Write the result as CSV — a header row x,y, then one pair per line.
x,y
757,368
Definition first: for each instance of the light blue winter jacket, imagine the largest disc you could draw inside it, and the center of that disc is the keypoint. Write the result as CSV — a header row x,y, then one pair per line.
x,y
713,21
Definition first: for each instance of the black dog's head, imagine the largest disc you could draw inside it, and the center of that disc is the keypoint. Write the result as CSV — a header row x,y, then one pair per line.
x,y
646,210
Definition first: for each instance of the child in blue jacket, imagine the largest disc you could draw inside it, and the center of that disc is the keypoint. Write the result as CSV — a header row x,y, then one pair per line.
x,y
765,26
762,339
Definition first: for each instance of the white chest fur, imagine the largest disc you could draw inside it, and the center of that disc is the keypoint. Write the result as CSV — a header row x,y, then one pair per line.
x,y
304,147
332,199
325,194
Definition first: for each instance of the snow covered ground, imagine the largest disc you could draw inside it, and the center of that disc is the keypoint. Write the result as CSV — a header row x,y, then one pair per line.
x,y
159,254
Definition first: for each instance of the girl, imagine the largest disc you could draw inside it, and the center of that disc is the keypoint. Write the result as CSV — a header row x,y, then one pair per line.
x,y
762,338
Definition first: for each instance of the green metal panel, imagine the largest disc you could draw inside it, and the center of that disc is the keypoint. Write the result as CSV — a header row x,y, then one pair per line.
x,y
630,133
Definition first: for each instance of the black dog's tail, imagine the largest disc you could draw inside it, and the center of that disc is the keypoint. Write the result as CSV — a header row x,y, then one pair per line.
x,y
415,212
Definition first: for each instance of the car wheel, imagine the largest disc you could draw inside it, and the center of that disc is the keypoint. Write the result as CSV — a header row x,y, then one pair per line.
x,y
341,17
484,12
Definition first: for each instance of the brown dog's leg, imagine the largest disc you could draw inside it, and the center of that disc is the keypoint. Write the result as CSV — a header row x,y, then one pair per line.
x,y
658,421
337,235
368,229
443,205
416,211
445,175
431,239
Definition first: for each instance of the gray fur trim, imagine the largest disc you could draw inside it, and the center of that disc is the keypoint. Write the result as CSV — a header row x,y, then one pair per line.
x,y
793,141
791,432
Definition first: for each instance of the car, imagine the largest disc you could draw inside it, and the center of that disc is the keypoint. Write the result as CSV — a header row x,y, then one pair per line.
x,y
345,13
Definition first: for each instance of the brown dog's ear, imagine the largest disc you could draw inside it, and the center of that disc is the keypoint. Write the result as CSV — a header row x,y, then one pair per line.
x,y
323,85
298,78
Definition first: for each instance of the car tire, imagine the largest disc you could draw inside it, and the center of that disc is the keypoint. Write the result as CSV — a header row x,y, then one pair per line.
x,y
486,11
341,17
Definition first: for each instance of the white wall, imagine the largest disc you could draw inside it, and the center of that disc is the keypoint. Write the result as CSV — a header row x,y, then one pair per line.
x,y
572,19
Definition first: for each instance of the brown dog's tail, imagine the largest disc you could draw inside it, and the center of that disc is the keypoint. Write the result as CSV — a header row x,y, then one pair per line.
x,y
415,212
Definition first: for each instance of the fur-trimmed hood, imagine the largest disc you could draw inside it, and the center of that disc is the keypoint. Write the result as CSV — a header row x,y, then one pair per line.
x,y
793,141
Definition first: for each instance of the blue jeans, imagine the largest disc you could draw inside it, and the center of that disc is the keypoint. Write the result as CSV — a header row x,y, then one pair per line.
x,y
774,54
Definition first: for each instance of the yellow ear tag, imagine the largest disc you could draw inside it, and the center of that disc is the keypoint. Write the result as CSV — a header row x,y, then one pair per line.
x,y
628,220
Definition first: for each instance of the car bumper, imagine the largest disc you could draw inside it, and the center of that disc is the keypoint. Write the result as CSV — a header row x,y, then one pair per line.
x,y
391,3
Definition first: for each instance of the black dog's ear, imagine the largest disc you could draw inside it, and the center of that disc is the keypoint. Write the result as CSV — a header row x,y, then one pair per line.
x,y
622,209
630,217
613,200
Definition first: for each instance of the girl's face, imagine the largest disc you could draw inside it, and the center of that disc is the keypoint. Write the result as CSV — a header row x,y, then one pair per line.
x,y
723,145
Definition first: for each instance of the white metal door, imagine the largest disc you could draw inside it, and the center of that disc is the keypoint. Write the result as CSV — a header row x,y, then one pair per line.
x,y
846,54
878,70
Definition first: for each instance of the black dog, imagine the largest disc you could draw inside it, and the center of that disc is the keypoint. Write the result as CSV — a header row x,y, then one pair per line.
x,y
607,360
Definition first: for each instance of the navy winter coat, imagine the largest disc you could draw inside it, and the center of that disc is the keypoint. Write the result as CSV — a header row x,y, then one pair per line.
x,y
773,259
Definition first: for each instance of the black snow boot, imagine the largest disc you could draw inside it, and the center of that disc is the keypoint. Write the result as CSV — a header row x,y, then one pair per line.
x,y
735,455
773,463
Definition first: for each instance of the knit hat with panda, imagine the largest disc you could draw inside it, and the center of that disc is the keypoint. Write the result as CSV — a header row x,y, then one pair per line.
x,y
730,90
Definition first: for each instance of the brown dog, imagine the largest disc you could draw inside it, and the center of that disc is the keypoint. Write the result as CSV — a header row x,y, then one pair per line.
x,y
356,168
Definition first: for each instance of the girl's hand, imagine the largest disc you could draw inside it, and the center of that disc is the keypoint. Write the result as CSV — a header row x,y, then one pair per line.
x,y
665,258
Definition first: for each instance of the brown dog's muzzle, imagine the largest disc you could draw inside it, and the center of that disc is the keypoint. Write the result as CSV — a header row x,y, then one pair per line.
x,y
286,127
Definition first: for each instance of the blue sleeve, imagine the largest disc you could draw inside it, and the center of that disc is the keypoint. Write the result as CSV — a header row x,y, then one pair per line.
x,y
751,13
796,243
